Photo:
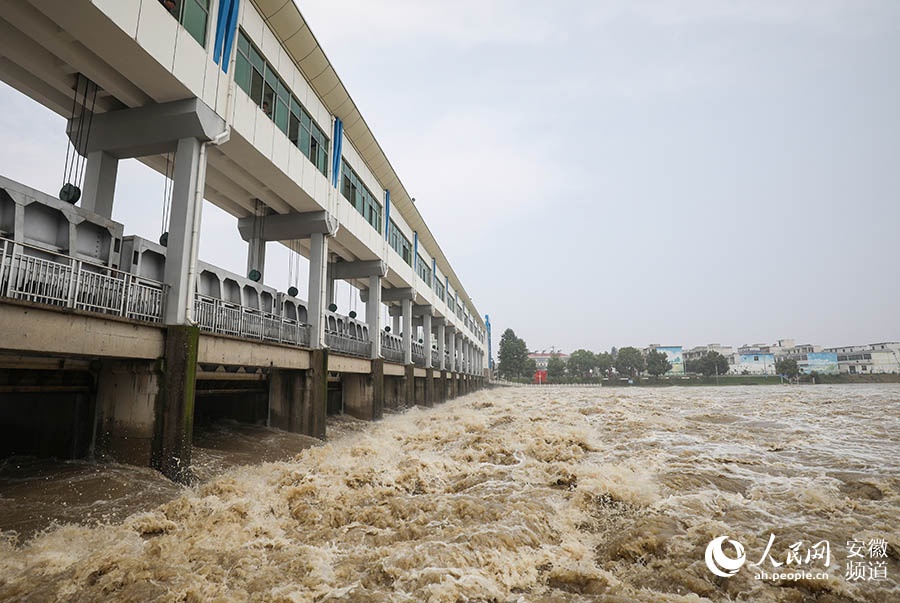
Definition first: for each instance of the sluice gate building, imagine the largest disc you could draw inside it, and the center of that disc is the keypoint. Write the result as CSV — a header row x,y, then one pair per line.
x,y
114,342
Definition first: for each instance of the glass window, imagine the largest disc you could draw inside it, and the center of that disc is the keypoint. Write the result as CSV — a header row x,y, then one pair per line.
x,y
294,129
243,43
304,141
281,115
196,14
256,60
268,100
242,72
256,87
313,149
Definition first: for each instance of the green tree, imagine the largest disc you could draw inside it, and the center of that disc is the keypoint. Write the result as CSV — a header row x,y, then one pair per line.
x,y
787,367
605,362
629,361
556,369
530,367
581,363
658,363
513,356
713,363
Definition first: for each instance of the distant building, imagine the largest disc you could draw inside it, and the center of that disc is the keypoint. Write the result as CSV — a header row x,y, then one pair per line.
x,y
754,360
810,358
673,354
698,352
540,362
866,359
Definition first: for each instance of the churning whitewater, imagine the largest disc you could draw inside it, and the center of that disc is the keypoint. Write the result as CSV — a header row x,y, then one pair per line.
x,y
522,494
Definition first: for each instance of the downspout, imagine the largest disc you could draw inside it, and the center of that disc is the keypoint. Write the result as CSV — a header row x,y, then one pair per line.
x,y
219,139
198,211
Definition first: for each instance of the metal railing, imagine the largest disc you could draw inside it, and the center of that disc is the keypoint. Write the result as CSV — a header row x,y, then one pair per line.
x,y
226,318
418,353
49,277
391,347
348,345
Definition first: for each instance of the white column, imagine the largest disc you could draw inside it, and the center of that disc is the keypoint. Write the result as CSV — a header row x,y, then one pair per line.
x,y
182,230
373,315
407,331
318,260
396,326
100,183
426,339
452,367
442,344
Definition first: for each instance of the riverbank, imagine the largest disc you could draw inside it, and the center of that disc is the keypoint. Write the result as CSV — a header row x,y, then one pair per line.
x,y
731,380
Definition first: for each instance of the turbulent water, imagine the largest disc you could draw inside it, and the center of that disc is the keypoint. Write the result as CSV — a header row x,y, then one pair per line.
x,y
528,494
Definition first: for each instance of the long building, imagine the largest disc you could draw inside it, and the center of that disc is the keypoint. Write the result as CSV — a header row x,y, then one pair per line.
x,y
237,102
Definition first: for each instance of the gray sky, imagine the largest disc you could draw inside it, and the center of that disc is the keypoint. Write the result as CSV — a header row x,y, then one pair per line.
x,y
613,173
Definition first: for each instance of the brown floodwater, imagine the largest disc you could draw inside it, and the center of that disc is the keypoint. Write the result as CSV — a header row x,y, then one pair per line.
x,y
506,495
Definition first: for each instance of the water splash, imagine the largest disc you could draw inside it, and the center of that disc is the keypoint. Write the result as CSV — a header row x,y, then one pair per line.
x,y
512,495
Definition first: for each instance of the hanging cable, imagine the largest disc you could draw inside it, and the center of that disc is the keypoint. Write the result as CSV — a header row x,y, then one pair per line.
x,y
168,189
89,115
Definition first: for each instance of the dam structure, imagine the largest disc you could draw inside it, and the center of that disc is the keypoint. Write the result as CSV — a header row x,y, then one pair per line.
x,y
115,344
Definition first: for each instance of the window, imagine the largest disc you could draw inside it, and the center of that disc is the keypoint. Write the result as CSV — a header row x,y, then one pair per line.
x,y
360,197
192,14
400,243
439,289
258,79
423,270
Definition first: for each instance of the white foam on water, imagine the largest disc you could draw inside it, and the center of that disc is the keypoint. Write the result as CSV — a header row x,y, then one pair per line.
x,y
513,495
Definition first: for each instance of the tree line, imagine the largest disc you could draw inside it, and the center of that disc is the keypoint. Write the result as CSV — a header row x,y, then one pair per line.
x,y
584,365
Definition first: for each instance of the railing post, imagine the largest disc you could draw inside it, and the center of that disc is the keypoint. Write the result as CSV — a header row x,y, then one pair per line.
x,y
72,294
126,291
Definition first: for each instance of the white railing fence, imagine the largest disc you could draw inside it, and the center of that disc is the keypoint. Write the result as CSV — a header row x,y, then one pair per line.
x,y
39,275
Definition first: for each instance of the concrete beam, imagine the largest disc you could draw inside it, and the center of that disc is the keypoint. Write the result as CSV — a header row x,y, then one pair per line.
x,y
422,310
286,227
350,270
397,294
148,130
29,327
218,349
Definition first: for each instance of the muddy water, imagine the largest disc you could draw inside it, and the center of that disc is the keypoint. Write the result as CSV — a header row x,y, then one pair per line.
x,y
544,495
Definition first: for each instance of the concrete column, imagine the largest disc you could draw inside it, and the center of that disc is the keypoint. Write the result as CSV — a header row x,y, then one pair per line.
x,y
426,339
452,368
429,386
395,327
409,385
442,344
182,230
358,398
100,183
127,392
286,399
316,407
318,260
442,390
377,389
329,288
373,315
407,331
174,425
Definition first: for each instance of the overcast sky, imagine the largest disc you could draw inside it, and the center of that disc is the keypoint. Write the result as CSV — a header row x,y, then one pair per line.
x,y
613,173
